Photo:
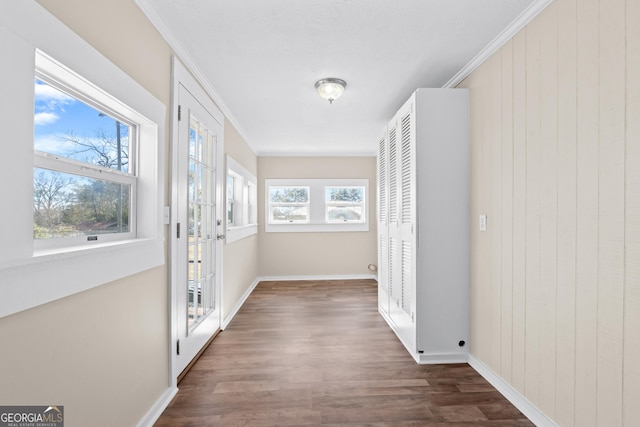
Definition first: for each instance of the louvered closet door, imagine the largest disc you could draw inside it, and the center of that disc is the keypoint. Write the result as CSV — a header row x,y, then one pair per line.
x,y
383,223
395,245
407,219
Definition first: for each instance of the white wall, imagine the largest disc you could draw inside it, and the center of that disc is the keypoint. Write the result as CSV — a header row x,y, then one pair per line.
x,y
555,165
104,348
240,268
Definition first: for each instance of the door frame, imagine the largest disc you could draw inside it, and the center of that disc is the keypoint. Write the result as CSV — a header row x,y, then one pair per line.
x,y
181,76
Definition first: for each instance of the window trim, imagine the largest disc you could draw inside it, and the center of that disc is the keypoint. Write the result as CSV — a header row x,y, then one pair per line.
x,y
243,182
31,278
317,221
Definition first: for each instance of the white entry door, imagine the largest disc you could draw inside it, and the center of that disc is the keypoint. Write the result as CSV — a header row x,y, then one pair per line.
x,y
196,228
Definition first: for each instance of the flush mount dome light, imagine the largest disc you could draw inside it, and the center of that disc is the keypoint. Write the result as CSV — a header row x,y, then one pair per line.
x,y
330,89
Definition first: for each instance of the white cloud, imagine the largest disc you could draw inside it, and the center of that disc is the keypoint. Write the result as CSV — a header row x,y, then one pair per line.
x,y
46,93
40,119
49,144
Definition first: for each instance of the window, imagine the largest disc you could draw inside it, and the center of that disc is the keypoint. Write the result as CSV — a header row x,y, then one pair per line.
x,y
232,179
288,205
52,245
316,205
344,204
242,206
84,183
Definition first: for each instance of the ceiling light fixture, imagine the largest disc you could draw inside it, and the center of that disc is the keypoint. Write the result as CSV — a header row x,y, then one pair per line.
x,y
331,88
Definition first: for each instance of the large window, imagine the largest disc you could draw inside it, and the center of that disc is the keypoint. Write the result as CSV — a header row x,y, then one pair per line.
x,y
242,206
84,182
316,205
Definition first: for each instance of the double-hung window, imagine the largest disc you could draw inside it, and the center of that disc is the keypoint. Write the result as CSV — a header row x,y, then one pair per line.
x,y
242,207
344,204
233,182
289,205
84,180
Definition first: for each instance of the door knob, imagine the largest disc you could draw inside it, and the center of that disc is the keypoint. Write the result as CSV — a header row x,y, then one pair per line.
x,y
221,236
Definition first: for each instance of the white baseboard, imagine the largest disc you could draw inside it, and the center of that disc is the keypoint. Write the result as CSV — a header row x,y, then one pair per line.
x,y
236,308
512,395
158,408
328,277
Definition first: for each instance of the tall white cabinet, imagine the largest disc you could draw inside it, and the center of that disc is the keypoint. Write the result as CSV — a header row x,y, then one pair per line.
x,y
423,225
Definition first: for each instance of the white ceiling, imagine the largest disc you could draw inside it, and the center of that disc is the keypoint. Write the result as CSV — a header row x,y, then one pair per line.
x,y
262,58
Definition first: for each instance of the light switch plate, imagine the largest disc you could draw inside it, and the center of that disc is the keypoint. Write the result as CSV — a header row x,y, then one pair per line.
x,y
483,223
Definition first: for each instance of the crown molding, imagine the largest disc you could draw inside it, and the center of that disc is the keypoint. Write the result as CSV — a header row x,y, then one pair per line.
x,y
183,55
505,35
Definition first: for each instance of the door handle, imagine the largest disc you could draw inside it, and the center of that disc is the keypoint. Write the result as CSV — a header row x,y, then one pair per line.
x,y
221,236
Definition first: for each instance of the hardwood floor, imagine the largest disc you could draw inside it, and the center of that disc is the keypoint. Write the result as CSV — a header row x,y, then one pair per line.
x,y
318,353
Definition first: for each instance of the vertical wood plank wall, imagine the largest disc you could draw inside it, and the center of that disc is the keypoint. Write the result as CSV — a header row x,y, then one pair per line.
x,y
555,146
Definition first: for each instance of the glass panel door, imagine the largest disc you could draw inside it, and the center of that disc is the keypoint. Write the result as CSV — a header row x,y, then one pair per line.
x,y
201,225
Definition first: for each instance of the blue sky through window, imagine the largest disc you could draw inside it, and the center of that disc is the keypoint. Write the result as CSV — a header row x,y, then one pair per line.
x,y
66,127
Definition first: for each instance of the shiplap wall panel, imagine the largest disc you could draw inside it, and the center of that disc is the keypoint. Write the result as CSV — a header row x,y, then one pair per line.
x,y
587,218
532,230
495,220
506,180
548,207
484,206
611,211
519,209
566,291
560,126
631,335
478,240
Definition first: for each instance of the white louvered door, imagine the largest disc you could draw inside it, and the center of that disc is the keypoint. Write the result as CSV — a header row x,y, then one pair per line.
x,y
383,224
395,266
405,256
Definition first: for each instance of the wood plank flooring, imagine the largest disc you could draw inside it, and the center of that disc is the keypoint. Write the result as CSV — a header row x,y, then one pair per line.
x,y
319,354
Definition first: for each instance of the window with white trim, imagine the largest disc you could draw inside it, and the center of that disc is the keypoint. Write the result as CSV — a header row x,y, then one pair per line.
x,y
84,180
242,207
288,205
344,204
316,205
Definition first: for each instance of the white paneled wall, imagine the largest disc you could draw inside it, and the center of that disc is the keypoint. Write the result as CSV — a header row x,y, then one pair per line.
x,y
555,164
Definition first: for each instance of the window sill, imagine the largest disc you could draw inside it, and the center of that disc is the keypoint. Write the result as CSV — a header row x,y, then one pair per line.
x,y
237,233
70,251
51,275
